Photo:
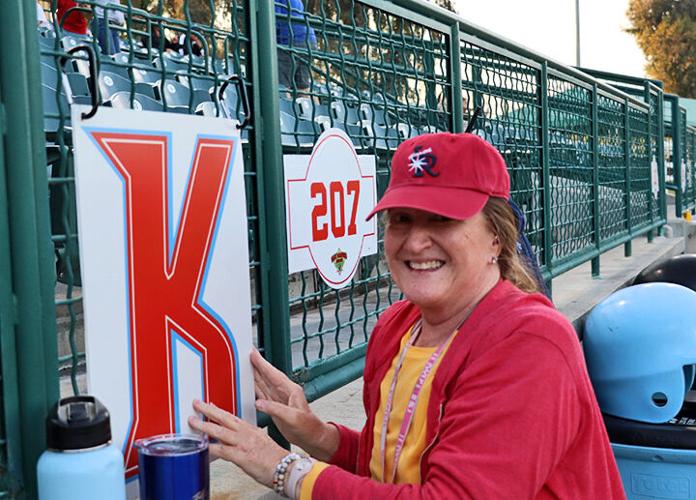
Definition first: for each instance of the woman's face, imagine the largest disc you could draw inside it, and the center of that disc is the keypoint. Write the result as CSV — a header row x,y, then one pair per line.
x,y
439,263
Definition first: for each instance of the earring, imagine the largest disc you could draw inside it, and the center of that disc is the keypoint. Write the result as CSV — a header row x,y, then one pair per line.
x,y
494,259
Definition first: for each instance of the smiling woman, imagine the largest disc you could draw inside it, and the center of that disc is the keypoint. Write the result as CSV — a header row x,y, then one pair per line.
x,y
475,386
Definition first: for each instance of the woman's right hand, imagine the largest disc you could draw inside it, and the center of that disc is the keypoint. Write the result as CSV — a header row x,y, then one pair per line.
x,y
285,402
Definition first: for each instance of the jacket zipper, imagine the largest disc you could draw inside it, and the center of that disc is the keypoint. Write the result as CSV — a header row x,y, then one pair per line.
x,y
432,441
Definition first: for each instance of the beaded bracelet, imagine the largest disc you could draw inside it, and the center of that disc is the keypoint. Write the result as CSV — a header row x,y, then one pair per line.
x,y
280,470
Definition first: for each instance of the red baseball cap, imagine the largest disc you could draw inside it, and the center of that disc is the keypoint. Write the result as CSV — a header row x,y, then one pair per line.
x,y
452,175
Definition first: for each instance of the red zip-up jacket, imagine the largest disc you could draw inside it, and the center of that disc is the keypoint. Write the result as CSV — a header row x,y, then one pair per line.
x,y
511,414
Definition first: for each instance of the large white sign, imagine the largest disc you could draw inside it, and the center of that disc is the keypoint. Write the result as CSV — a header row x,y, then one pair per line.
x,y
164,261
328,195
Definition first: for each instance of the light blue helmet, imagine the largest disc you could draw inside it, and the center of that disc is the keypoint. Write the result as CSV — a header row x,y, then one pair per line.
x,y
640,347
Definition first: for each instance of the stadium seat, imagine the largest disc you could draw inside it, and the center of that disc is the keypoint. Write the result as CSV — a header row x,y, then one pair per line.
x,y
381,137
195,82
145,89
54,105
110,83
79,89
286,105
209,108
122,100
170,64
344,114
406,130
176,94
46,43
375,115
108,64
297,132
49,75
307,109
231,103
71,41
148,76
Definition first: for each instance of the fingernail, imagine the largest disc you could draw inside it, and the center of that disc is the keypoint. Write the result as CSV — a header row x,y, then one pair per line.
x,y
260,405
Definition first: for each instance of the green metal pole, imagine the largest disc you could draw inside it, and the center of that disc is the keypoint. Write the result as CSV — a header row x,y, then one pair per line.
x,y
646,97
30,245
627,155
661,152
595,180
270,167
545,168
11,426
458,124
677,155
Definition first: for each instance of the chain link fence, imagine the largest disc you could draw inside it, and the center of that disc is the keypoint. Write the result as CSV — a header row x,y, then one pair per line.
x,y
580,155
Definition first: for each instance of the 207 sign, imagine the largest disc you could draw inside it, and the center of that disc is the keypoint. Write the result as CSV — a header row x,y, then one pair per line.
x,y
328,195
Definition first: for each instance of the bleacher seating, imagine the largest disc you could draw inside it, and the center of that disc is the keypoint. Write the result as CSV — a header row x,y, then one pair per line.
x,y
122,100
189,86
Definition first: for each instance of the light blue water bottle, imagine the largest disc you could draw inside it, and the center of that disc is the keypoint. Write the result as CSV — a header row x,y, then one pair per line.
x,y
80,463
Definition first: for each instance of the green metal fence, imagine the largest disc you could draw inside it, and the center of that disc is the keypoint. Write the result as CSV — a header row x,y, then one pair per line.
x,y
579,153
683,171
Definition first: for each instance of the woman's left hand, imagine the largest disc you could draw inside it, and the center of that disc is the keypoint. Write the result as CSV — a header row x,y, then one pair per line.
x,y
239,442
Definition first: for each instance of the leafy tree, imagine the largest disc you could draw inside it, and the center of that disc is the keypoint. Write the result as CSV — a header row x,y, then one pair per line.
x,y
447,4
666,32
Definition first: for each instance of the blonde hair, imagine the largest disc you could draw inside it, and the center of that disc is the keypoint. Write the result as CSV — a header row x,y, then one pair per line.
x,y
503,223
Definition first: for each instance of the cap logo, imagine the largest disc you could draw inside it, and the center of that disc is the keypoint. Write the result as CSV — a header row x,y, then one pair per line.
x,y
422,161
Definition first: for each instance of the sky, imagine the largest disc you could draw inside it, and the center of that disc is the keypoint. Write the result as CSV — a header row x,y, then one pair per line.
x,y
548,28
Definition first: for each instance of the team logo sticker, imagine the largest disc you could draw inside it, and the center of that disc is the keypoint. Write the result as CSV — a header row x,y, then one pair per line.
x,y
422,161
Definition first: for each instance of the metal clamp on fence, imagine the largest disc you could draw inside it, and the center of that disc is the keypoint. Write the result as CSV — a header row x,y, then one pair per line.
x,y
93,87
241,92
472,123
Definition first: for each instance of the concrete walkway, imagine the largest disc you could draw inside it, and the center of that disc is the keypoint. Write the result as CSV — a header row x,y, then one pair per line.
x,y
574,293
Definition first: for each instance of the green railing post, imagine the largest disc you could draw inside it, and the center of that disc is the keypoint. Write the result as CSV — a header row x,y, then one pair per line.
x,y
545,169
646,97
661,152
458,124
270,167
10,424
30,245
677,155
596,223
627,155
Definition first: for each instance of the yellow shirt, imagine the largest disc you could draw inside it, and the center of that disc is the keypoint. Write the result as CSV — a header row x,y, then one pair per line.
x,y
409,463
408,468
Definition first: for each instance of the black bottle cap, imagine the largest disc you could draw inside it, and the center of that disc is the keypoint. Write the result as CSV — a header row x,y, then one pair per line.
x,y
76,423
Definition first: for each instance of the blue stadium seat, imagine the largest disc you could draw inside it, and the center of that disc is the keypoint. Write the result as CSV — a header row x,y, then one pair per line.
x,y
54,105
145,89
70,41
297,132
170,64
381,137
195,82
344,114
108,64
176,94
209,108
307,109
148,76
122,100
110,83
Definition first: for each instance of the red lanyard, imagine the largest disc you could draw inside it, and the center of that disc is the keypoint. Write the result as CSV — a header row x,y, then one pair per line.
x,y
412,401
